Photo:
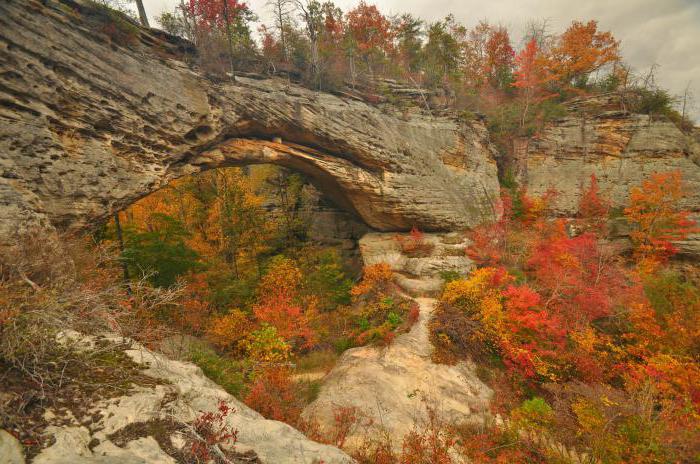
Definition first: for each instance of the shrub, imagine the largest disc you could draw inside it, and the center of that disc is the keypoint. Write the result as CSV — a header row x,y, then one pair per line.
x,y
274,395
428,443
52,287
208,432
534,413
653,102
376,281
226,331
381,320
415,244
224,371
266,346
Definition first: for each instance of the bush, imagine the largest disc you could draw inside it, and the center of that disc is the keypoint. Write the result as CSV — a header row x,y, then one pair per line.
x,y
534,413
274,395
266,346
376,281
226,372
653,102
415,244
53,286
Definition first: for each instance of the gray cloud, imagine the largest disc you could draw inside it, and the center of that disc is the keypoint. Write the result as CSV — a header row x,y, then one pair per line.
x,y
666,33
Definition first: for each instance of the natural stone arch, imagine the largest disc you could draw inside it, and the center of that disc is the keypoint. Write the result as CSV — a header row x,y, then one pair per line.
x,y
87,126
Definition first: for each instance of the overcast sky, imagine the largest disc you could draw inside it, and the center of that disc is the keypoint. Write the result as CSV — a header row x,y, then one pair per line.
x,y
662,32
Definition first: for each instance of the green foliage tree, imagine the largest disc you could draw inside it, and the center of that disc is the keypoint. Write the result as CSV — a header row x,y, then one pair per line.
x,y
160,253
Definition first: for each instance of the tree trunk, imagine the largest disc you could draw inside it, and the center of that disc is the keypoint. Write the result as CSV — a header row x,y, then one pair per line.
x,y
120,239
142,13
228,37
280,25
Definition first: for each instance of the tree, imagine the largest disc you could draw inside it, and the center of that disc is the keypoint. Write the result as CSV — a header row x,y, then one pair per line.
x,y
656,214
474,51
582,50
239,217
281,10
593,208
281,305
409,34
142,13
162,253
370,33
499,58
530,77
178,22
311,13
443,50
216,14
219,14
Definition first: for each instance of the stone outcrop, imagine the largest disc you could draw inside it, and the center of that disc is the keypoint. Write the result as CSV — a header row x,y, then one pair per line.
x,y
10,449
420,274
91,120
621,149
180,396
392,387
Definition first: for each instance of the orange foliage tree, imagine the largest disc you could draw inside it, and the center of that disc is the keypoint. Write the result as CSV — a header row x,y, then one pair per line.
x,y
282,305
658,221
226,331
581,50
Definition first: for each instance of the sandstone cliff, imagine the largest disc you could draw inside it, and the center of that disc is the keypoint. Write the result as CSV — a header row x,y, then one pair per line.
x,y
622,149
88,124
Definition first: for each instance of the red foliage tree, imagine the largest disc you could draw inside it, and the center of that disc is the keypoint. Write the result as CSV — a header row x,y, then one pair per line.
x,y
530,77
274,396
593,208
499,57
214,13
370,31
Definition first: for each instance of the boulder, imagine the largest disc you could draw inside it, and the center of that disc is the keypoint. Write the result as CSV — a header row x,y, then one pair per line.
x,y
419,273
183,394
10,449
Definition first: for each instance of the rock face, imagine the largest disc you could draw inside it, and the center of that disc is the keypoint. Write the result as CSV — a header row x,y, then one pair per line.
x,y
90,122
418,275
10,449
392,387
621,149
184,393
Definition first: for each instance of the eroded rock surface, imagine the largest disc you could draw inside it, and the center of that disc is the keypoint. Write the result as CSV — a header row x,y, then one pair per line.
x,y
88,124
10,449
418,274
184,393
393,386
620,148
